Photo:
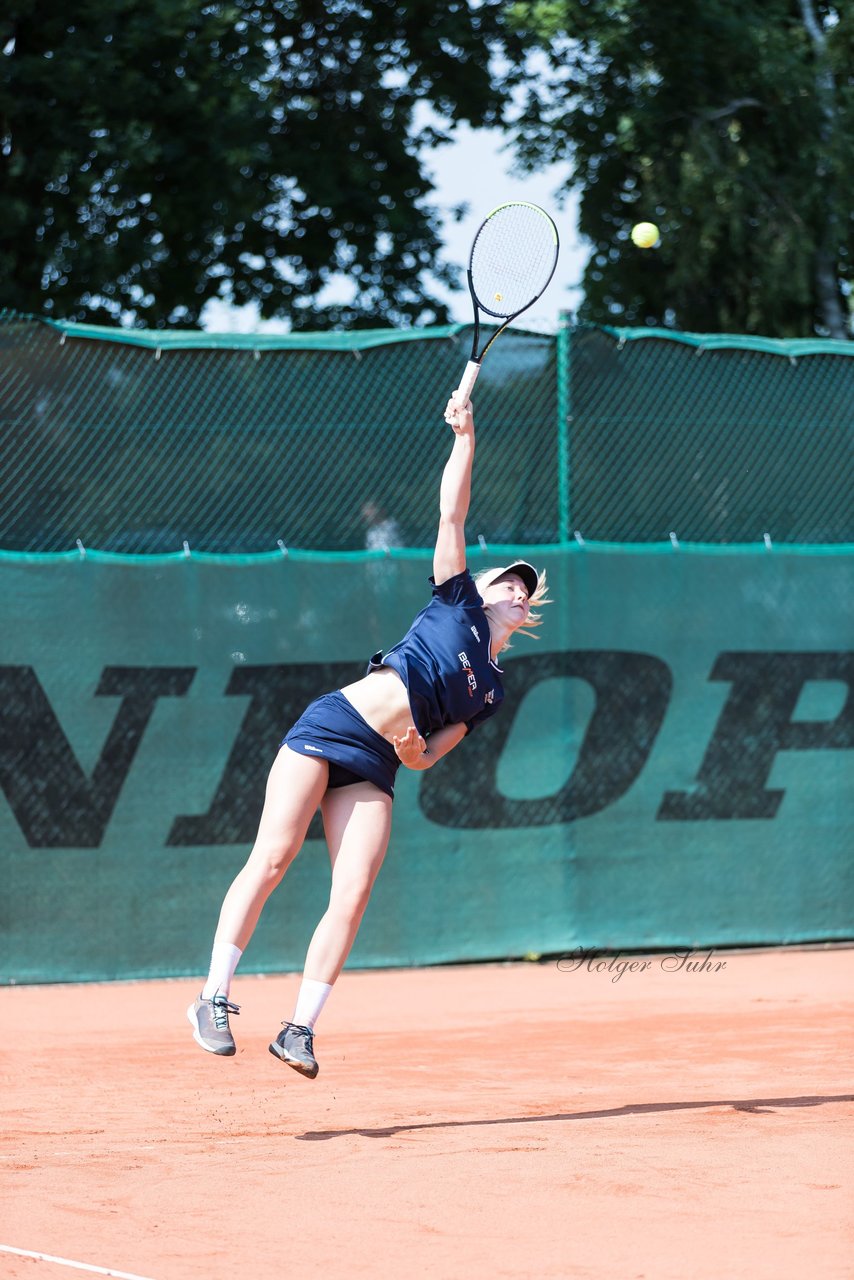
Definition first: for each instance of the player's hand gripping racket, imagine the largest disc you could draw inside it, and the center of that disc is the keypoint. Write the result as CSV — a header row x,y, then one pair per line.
x,y
513,258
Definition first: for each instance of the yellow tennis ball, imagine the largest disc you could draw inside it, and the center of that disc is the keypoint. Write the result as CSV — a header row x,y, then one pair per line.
x,y
645,235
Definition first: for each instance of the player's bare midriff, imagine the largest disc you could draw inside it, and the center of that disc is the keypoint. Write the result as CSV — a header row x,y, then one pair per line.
x,y
381,699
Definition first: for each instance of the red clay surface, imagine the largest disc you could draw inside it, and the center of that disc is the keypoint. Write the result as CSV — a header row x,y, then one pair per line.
x,y
482,1121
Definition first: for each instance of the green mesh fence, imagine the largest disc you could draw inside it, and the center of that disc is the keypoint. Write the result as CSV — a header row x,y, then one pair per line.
x,y
141,442
714,443
140,448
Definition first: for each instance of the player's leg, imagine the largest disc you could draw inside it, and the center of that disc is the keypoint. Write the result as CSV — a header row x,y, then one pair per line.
x,y
295,787
357,822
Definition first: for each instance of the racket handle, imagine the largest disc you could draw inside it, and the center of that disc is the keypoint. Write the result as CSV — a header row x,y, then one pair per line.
x,y
464,390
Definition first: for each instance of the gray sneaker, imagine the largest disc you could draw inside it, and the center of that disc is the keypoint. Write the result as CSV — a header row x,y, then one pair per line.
x,y
295,1046
209,1020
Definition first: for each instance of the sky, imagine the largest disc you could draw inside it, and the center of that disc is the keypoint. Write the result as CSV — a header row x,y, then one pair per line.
x,y
473,169
476,161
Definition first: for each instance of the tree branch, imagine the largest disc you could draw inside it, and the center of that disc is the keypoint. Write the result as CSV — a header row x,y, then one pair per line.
x,y
730,108
826,273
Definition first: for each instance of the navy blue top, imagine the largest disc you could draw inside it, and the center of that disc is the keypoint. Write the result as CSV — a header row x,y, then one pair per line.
x,y
444,659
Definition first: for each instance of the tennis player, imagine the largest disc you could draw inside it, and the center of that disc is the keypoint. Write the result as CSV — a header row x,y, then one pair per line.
x,y
415,704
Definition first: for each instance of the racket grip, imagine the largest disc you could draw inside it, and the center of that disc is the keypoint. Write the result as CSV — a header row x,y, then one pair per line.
x,y
464,390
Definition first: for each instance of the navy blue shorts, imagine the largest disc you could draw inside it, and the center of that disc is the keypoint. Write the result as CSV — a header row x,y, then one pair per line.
x,y
332,729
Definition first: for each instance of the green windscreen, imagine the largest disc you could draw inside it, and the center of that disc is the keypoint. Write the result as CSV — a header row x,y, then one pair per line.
x,y
672,764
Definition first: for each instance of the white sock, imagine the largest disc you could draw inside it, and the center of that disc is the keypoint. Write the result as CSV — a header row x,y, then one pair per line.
x,y
224,958
311,999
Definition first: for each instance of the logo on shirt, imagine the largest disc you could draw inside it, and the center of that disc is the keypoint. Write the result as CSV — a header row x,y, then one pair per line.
x,y
468,673
476,634
489,696
308,747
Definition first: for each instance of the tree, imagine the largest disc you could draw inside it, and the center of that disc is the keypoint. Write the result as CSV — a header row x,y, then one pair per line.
x,y
158,153
730,124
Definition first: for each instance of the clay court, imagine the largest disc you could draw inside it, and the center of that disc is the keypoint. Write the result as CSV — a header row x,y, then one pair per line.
x,y
481,1121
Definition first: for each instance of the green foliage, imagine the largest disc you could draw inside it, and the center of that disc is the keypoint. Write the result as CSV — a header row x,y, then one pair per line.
x,y
157,154
730,124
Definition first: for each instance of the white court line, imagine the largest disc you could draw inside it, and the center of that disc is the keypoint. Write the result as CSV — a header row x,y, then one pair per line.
x,y
66,1262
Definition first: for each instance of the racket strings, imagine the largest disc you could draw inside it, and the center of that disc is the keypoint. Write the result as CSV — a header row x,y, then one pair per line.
x,y
512,259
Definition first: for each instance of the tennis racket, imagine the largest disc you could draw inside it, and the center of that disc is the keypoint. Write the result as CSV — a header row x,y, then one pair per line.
x,y
513,258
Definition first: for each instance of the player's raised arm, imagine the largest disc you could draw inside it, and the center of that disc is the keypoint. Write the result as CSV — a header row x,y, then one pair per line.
x,y
449,557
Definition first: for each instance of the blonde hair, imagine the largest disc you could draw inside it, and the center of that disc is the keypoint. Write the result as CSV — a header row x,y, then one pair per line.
x,y
535,600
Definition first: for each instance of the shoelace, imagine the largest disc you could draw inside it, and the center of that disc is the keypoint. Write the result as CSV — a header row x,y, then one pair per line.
x,y
221,1009
304,1031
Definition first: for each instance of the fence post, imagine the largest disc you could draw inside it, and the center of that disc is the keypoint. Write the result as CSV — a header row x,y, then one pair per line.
x,y
564,401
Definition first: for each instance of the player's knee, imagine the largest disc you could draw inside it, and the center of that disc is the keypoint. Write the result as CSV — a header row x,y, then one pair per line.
x,y
349,900
269,863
